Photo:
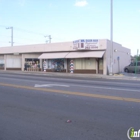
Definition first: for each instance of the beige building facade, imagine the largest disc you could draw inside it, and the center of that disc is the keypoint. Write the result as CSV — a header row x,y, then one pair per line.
x,y
94,56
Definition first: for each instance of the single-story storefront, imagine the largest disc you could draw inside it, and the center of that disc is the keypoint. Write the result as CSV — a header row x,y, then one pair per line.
x,y
81,56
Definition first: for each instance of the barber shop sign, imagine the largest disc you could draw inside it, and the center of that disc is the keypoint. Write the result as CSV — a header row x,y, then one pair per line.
x,y
86,44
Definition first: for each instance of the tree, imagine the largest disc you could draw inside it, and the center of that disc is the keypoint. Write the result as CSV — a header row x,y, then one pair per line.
x,y
138,58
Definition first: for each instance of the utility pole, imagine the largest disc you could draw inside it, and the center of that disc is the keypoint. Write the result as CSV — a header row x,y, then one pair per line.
x,y
136,61
11,35
49,36
111,37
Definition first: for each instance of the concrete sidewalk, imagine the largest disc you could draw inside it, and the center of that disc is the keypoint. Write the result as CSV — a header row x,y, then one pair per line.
x,y
122,76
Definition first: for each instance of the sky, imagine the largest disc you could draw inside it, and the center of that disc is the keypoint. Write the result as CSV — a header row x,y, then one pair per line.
x,y
68,20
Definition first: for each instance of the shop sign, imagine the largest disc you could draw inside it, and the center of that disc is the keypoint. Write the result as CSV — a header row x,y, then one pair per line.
x,y
76,44
86,44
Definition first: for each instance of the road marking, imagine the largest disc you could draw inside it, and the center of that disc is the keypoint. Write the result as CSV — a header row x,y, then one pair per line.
x,y
97,87
51,85
107,88
87,81
74,93
76,85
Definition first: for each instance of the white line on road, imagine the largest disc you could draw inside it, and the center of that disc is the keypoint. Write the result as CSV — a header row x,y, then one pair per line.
x,y
92,81
107,88
97,87
51,85
75,80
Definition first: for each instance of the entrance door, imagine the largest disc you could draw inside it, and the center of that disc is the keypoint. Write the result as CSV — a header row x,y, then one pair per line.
x,y
100,66
68,65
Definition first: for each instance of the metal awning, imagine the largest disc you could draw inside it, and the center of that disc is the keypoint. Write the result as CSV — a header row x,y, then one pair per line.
x,y
53,55
85,54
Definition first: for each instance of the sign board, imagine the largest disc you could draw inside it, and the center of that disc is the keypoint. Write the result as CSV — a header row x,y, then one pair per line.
x,y
118,58
86,44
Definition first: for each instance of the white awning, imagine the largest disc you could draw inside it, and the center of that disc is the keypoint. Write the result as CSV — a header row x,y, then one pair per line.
x,y
53,55
87,54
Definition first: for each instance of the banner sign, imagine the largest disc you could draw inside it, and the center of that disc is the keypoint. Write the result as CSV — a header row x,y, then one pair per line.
x,y
86,44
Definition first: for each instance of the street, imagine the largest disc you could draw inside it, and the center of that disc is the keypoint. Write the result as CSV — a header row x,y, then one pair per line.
x,y
39,107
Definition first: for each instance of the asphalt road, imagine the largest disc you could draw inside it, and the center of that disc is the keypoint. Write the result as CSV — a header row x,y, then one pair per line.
x,y
35,107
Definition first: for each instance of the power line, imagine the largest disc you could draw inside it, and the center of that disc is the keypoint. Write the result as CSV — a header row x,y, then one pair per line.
x,y
25,39
24,30
20,38
3,42
17,43
28,31
4,35
3,26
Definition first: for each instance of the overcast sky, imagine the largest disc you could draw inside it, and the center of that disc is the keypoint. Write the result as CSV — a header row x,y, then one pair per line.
x,y
68,20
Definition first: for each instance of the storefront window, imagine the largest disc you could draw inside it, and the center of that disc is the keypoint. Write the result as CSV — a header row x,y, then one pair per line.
x,y
1,63
31,64
56,64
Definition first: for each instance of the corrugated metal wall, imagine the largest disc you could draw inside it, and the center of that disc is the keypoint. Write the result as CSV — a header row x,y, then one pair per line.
x,y
13,61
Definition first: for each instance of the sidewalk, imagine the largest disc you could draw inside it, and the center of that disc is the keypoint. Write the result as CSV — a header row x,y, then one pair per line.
x,y
123,76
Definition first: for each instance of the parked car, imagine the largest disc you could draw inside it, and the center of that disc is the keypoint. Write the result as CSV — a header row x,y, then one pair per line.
x,y
132,67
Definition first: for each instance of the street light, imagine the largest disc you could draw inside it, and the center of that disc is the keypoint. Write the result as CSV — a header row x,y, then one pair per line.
x,y
11,35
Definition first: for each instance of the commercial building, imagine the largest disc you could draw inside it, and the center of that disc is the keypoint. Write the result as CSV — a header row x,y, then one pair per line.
x,y
95,56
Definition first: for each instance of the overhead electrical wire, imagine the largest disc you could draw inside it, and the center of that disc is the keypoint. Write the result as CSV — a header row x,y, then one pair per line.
x,y
23,30
28,31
